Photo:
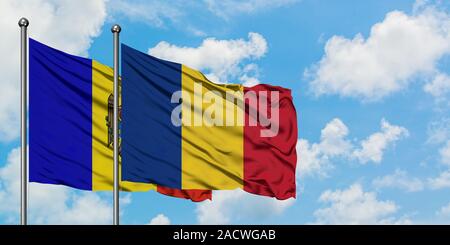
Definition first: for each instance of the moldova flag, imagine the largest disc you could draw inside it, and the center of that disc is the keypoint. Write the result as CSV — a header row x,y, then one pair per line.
x,y
70,123
182,131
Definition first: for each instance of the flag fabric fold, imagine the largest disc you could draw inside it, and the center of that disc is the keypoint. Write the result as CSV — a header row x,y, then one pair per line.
x,y
70,124
183,131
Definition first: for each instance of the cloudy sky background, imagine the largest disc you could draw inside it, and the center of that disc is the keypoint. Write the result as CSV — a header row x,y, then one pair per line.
x,y
370,81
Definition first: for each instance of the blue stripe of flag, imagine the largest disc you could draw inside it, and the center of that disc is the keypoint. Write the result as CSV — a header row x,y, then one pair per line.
x,y
151,144
60,117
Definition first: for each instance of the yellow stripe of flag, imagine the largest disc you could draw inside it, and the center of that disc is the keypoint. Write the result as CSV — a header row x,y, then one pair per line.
x,y
212,157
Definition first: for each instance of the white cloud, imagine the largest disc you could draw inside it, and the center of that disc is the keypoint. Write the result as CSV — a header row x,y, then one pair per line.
x,y
250,75
229,8
441,181
373,147
50,204
66,25
9,183
313,159
316,158
249,81
444,211
354,206
223,67
229,207
439,131
332,138
439,86
399,179
396,50
81,209
160,219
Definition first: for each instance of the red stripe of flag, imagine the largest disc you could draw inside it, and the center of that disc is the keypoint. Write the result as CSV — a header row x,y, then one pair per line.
x,y
193,195
270,162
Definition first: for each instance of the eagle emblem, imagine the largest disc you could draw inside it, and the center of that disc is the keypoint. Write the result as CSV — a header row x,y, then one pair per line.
x,y
110,122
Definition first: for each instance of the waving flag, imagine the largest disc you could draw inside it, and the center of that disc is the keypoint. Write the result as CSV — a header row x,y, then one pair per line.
x,y
182,131
71,124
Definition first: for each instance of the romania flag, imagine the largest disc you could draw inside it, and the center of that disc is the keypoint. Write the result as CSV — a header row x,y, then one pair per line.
x,y
182,131
70,123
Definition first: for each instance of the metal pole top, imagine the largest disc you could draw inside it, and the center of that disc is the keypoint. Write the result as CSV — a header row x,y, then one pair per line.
x,y
116,28
23,22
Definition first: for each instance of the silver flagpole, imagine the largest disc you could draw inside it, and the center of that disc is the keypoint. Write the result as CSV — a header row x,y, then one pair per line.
x,y
116,30
23,23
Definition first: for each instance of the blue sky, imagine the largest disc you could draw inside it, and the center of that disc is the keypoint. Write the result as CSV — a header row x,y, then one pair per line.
x,y
370,82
